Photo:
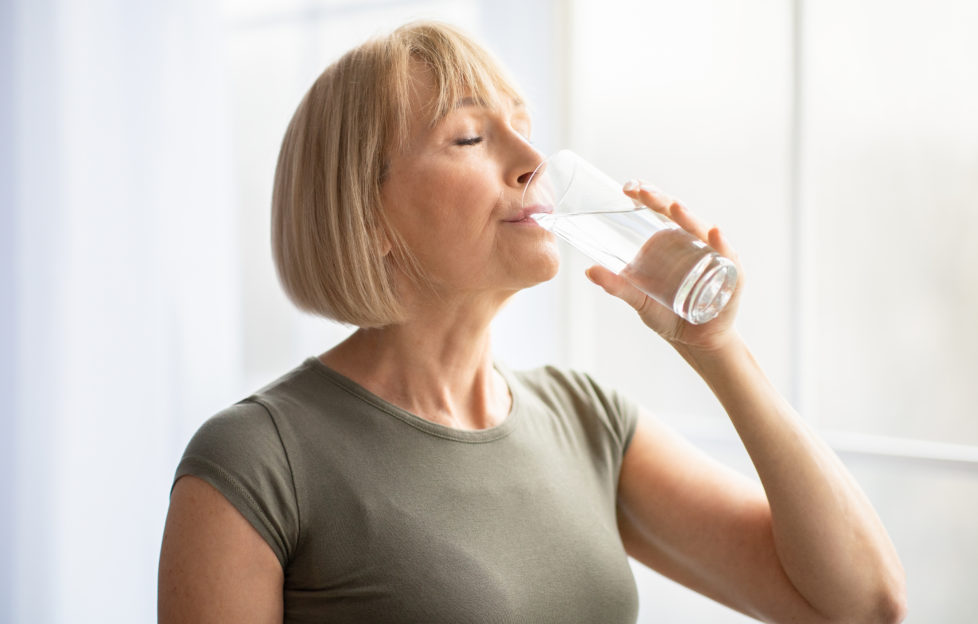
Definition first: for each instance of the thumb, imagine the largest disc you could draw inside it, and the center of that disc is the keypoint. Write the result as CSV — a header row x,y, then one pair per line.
x,y
616,285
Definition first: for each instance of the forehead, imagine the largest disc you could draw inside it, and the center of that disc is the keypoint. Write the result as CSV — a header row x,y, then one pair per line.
x,y
433,97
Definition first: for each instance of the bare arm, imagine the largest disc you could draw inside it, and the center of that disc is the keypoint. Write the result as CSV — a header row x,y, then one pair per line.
x,y
808,547
214,566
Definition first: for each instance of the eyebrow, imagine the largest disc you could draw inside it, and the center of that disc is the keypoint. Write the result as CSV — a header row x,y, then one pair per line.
x,y
470,101
473,101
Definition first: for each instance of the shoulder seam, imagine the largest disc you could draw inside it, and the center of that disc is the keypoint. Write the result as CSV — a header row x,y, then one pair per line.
x,y
288,460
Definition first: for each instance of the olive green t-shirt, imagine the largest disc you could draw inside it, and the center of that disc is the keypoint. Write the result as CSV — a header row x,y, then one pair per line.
x,y
378,515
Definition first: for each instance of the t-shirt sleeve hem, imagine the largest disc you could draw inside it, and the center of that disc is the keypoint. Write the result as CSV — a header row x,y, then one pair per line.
x,y
236,494
631,413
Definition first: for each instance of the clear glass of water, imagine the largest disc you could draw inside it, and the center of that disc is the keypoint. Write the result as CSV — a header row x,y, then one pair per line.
x,y
585,207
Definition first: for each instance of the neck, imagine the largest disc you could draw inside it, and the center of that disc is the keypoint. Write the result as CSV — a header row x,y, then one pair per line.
x,y
437,366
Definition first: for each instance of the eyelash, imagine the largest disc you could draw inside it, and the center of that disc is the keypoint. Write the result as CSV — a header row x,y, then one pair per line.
x,y
469,141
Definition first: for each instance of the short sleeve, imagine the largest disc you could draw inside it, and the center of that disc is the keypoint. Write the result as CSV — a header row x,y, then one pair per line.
x,y
622,412
606,419
239,453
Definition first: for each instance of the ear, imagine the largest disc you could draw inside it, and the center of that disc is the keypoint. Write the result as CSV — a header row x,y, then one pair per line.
x,y
384,245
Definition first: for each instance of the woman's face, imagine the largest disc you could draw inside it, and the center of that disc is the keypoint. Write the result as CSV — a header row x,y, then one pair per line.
x,y
454,195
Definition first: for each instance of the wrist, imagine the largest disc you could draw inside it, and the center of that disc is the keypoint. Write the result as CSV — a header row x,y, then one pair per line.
x,y
716,347
730,370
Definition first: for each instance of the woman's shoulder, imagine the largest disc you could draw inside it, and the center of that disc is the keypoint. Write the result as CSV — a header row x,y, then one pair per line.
x,y
566,383
575,393
239,451
250,428
235,426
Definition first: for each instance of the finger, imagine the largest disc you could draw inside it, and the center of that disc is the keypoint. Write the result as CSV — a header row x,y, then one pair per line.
x,y
654,198
648,195
618,286
690,222
719,242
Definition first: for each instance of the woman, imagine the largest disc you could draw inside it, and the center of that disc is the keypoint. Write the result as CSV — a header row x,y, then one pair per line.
x,y
404,476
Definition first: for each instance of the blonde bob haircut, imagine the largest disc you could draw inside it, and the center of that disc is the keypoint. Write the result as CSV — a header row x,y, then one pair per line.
x,y
335,251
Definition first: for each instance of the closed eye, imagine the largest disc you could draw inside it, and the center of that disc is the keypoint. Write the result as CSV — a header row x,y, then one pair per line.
x,y
469,141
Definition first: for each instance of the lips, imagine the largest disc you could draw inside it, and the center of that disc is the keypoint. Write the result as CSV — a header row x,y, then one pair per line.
x,y
528,211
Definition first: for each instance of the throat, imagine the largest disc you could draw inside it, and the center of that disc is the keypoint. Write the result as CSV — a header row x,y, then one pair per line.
x,y
446,380
484,406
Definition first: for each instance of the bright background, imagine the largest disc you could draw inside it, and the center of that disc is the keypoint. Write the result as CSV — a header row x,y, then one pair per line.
x,y
835,141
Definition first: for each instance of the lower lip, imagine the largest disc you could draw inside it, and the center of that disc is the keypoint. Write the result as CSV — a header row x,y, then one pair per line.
x,y
525,221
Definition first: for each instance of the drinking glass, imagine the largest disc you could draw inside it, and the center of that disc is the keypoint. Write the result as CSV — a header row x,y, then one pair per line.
x,y
585,207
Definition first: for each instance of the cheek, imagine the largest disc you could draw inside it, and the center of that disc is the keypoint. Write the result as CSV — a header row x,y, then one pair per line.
x,y
444,212
454,211
437,189
467,193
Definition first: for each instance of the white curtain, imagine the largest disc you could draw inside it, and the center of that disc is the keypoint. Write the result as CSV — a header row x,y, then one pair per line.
x,y
120,331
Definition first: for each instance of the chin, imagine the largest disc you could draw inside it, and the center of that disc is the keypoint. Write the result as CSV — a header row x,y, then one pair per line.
x,y
552,267
542,268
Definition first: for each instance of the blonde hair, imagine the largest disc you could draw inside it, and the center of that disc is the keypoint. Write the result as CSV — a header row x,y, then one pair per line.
x,y
329,229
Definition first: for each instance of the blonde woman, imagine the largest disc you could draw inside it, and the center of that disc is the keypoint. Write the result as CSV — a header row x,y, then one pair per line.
x,y
405,476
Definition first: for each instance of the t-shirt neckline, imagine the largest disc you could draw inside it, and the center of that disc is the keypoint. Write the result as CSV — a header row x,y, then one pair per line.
x,y
490,434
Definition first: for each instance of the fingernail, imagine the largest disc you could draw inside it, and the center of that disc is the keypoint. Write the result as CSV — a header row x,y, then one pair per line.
x,y
631,185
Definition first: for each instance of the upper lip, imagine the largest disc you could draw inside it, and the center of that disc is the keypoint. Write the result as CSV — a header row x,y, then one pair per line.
x,y
528,211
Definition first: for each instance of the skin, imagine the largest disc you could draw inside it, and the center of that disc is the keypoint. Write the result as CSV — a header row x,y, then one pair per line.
x,y
803,546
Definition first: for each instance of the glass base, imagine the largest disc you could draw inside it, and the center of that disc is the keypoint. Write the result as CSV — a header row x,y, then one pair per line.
x,y
706,289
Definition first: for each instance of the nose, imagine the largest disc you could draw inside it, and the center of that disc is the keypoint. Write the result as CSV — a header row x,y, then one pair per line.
x,y
525,162
525,177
